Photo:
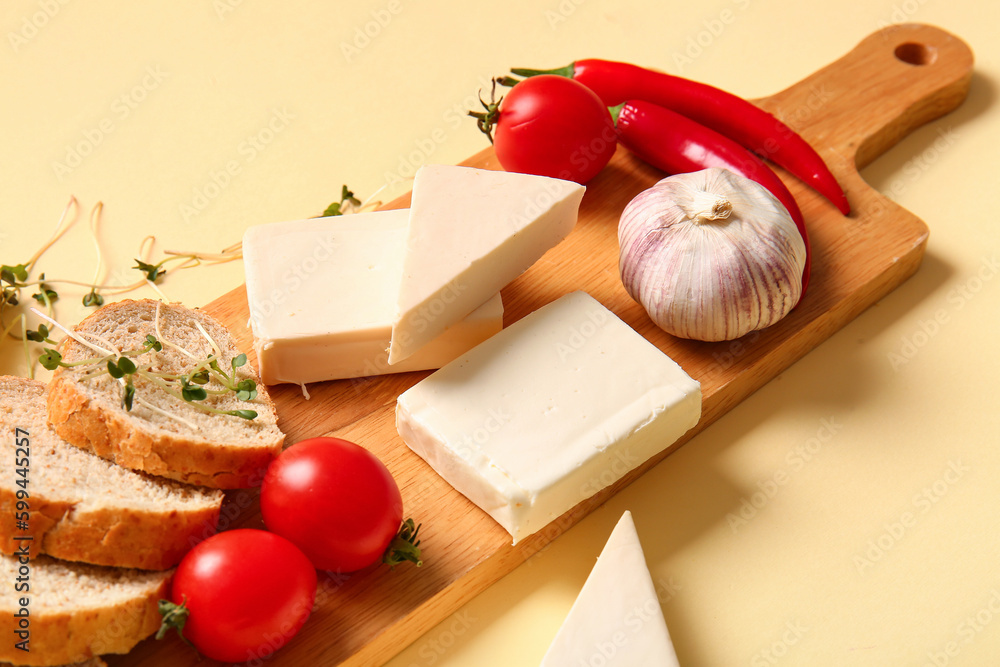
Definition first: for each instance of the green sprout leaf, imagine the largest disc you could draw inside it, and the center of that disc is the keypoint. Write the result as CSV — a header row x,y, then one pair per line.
x,y
12,274
46,295
191,392
50,359
201,377
39,336
152,271
240,360
92,298
152,344
337,207
245,414
120,368
246,390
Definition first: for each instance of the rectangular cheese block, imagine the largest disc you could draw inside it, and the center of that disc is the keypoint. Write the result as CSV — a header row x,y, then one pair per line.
x,y
554,408
322,294
472,231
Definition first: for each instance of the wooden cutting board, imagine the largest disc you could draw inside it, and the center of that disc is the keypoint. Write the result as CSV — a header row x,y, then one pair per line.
x,y
852,111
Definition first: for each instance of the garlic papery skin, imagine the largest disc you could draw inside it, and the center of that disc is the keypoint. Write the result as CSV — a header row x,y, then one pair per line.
x,y
711,255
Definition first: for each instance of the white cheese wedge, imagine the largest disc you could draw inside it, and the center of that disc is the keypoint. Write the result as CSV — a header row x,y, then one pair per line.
x,y
548,412
322,294
472,231
616,620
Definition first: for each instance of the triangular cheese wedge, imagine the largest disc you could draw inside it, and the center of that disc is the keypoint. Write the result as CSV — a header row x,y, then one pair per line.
x,y
616,621
472,231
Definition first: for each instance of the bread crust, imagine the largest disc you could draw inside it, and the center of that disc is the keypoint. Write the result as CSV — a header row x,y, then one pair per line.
x,y
115,536
113,435
66,637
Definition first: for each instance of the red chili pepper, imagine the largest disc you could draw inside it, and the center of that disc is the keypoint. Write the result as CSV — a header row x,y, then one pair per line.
x,y
727,114
676,144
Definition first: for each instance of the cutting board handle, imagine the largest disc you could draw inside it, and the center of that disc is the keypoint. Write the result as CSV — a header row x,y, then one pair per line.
x,y
892,82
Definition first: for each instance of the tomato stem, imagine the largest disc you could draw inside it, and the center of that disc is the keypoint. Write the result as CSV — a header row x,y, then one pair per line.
x,y
174,618
485,120
405,547
615,112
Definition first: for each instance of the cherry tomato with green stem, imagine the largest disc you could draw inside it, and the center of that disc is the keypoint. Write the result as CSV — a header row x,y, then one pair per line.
x,y
550,126
240,595
337,502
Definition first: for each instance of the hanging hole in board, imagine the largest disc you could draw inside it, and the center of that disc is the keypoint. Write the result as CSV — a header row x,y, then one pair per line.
x,y
915,53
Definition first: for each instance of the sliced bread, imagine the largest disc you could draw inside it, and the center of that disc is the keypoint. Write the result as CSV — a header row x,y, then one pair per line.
x,y
163,434
75,611
84,508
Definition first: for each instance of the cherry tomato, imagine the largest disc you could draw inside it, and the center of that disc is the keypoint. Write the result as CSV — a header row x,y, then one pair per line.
x,y
335,500
247,593
554,126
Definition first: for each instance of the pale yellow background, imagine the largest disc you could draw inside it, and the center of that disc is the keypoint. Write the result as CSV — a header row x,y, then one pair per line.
x,y
205,77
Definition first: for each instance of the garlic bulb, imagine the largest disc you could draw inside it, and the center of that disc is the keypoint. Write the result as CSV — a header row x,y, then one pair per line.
x,y
710,255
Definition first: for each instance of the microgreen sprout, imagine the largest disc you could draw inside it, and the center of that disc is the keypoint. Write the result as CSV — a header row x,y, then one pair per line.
x,y
347,199
16,277
152,271
152,344
50,359
45,294
40,335
92,298
193,387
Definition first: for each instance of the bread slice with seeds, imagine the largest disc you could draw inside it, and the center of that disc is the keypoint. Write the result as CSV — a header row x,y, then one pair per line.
x,y
194,441
77,611
83,507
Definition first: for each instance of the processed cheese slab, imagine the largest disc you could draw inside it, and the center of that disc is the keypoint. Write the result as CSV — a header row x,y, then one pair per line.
x,y
322,293
616,620
472,231
548,412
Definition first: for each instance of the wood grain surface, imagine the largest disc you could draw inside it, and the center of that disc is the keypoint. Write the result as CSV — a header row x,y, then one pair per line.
x,y
851,111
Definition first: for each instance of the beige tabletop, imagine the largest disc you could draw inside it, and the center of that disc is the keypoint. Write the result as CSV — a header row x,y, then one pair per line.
x,y
845,514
